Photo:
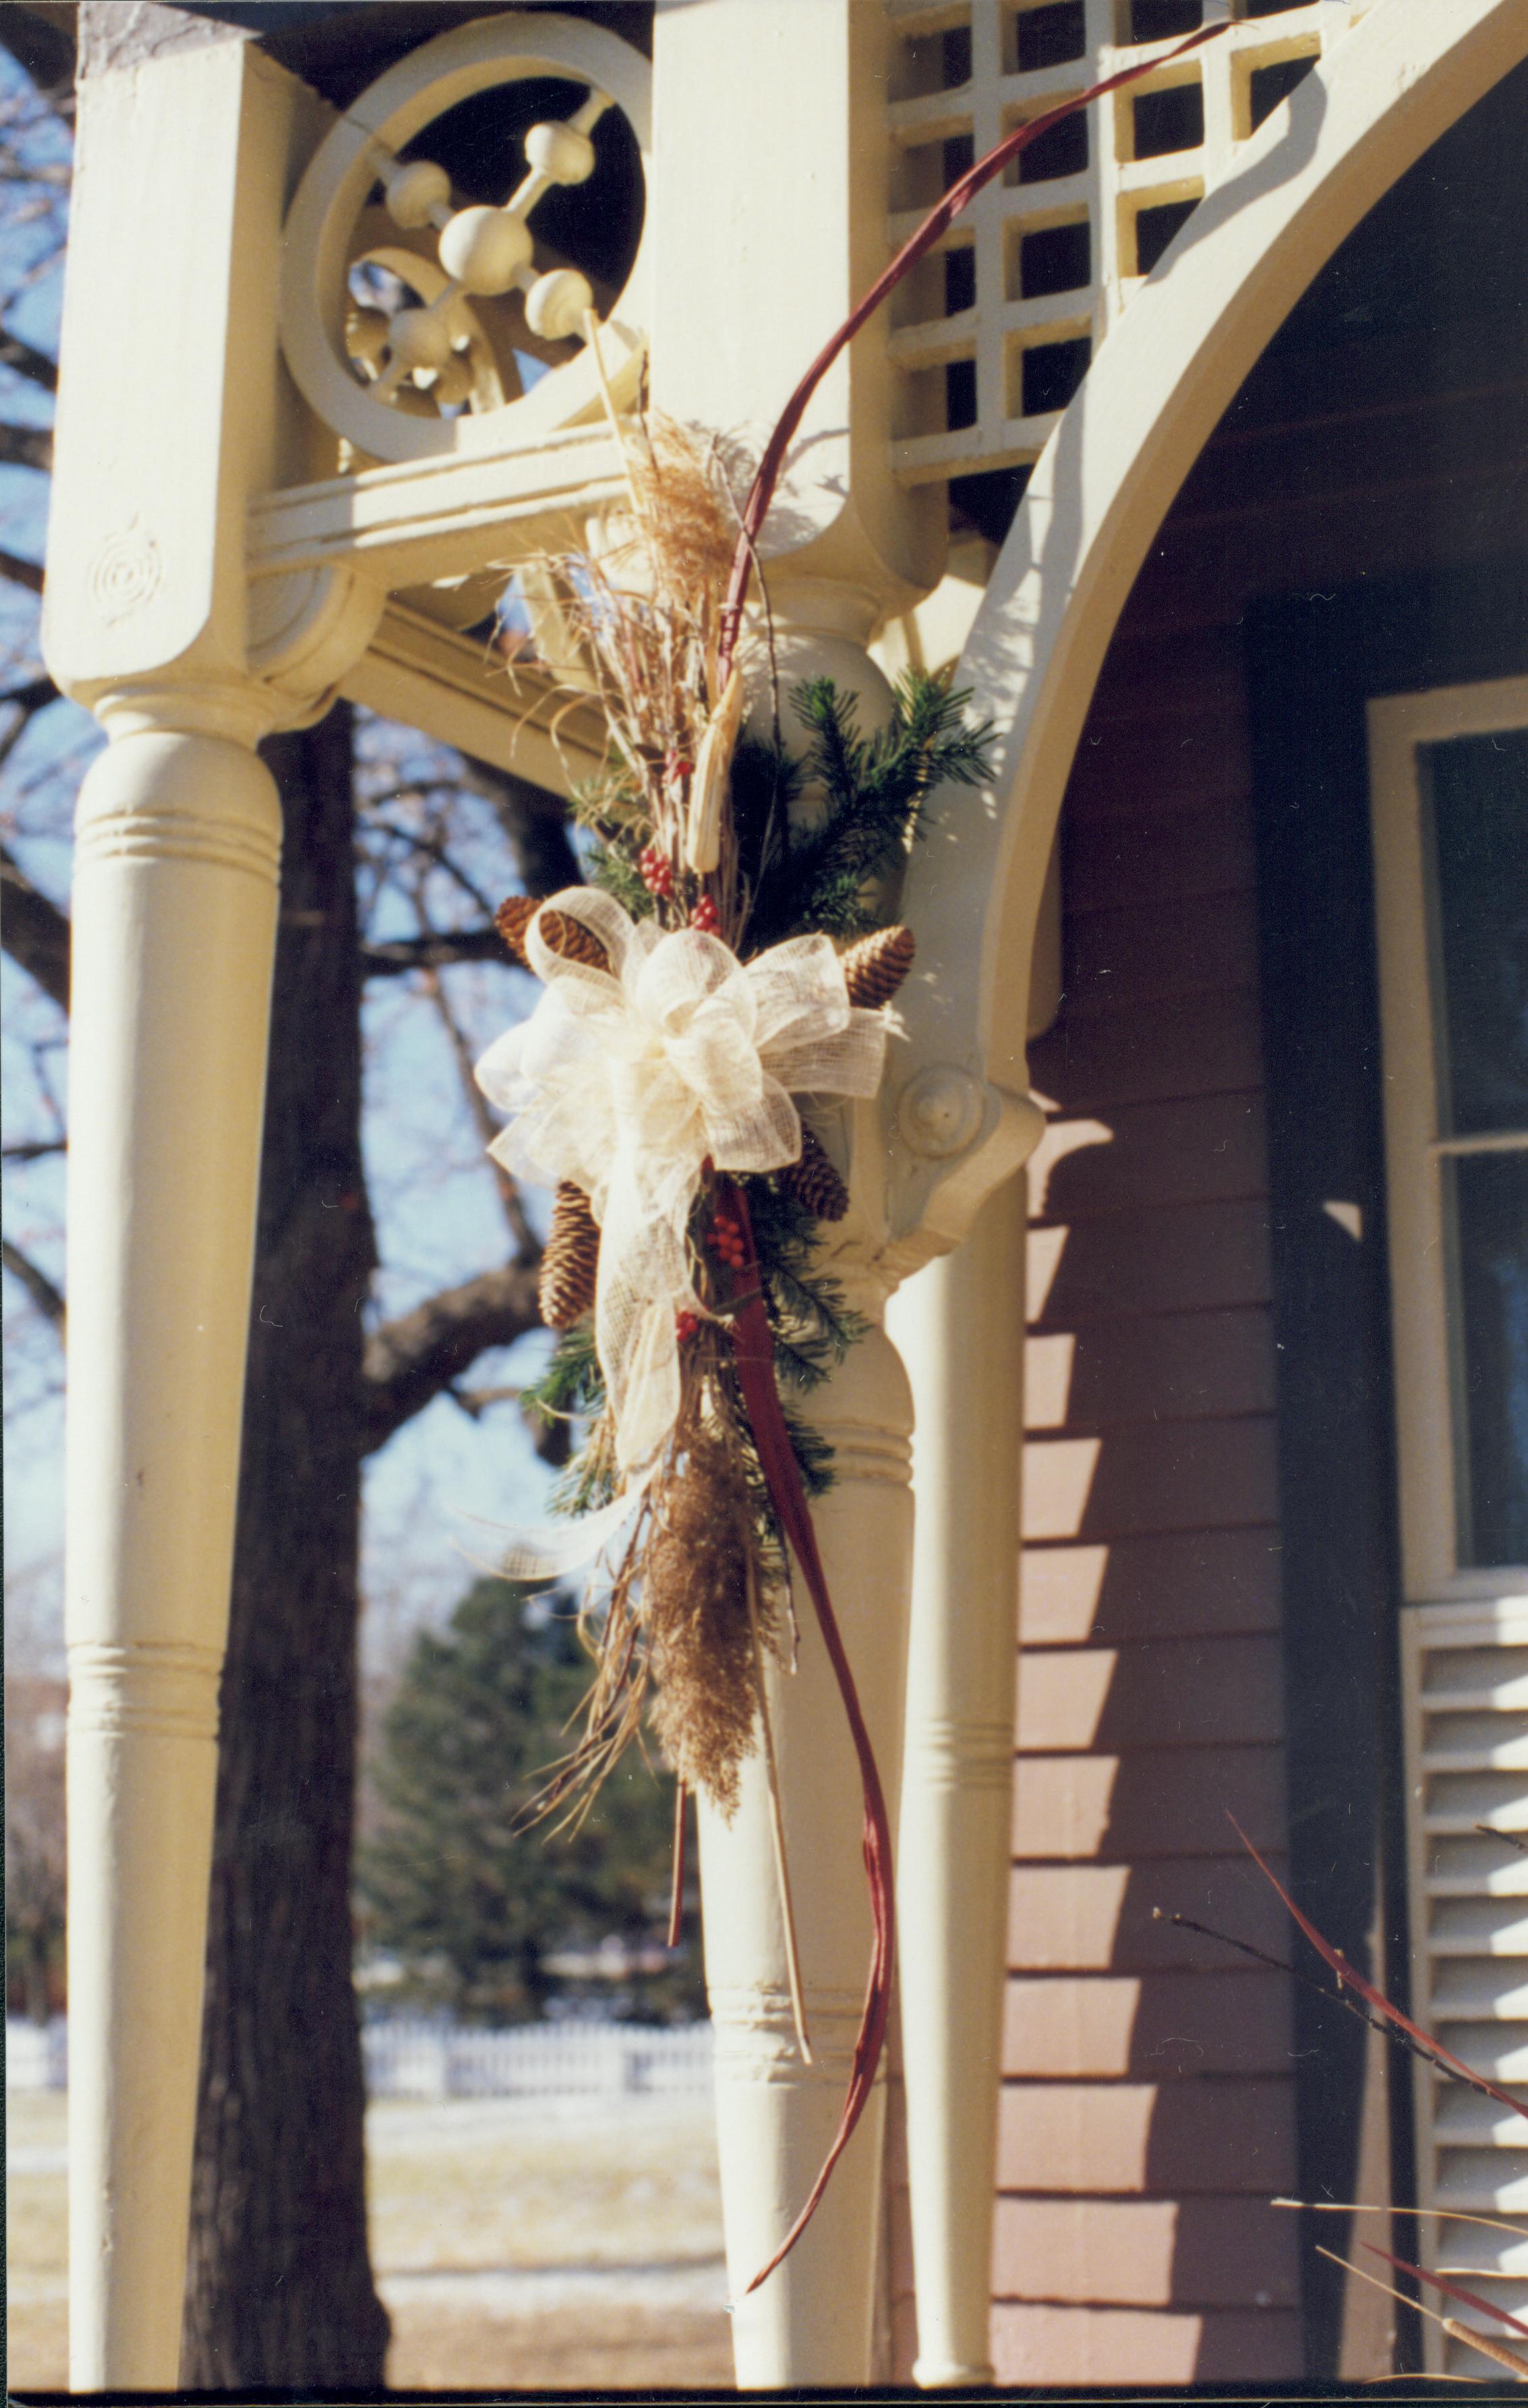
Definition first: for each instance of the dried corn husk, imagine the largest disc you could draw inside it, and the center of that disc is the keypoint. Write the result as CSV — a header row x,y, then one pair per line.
x,y
713,770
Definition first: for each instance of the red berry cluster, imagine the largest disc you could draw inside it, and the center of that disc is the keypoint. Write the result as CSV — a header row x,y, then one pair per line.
x,y
706,916
677,768
657,870
727,1240
685,1326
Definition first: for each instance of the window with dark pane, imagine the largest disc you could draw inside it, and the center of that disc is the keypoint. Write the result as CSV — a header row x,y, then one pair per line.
x,y
1051,374
1487,1220
1477,815
957,57
1155,228
960,280
1158,21
1056,259
1049,38
988,500
959,156
1062,150
1267,86
1478,788
1170,120
1274,7
961,393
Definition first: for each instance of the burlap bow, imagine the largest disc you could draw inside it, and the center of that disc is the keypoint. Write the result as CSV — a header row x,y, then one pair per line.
x,y
626,1080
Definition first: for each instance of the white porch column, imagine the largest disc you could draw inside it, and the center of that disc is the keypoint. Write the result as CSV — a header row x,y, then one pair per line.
x,y
175,898
172,412
811,2322
959,1324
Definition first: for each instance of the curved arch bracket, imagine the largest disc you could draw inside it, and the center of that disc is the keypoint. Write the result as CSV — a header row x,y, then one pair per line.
x,y
1099,492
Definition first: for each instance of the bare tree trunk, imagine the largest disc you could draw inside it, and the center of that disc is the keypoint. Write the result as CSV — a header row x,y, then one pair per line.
x,y
280,2287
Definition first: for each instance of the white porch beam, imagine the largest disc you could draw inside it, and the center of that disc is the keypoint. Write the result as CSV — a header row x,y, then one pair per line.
x,y
447,516
450,688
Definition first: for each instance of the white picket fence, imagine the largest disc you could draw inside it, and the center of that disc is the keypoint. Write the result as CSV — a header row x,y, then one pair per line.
x,y
36,2055
421,2060
425,2060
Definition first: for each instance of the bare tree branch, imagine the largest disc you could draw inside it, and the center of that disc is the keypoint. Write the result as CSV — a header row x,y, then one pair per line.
x,y
526,1243
475,1402
27,700
431,952
39,1287
34,931
35,1151
20,572
434,850
410,1361
35,366
534,824
25,447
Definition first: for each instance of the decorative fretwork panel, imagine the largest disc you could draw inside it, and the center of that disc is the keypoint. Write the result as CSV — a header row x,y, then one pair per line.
x,y
995,330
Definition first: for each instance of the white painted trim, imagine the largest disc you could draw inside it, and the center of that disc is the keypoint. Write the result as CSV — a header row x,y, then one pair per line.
x,y
1399,727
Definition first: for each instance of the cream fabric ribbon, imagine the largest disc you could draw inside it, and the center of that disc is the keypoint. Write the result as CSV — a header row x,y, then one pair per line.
x,y
624,1081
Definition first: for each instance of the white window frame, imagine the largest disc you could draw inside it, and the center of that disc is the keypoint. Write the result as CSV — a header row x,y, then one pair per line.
x,y
1399,727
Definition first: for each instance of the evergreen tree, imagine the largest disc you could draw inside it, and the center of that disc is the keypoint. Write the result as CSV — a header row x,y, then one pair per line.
x,y
455,1881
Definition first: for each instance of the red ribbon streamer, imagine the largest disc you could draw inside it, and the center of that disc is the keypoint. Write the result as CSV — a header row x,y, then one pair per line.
x,y
766,477
753,1350
1455,2290
1348,1974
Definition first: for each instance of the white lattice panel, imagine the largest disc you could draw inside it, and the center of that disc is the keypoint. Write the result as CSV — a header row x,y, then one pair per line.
x,y
995,330
1465,1669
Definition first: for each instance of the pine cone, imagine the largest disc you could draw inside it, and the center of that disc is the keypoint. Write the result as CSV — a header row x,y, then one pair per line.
x,y
571,1262
813,1181
512,919
565,936
876,967
574,941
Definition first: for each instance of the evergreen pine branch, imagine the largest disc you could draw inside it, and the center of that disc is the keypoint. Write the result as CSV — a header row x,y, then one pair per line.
x,y
614,871
813,1453
839,754
572,1382
813,1328
875,793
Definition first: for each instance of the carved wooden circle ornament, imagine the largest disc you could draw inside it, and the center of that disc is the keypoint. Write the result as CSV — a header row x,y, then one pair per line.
x,y
438,370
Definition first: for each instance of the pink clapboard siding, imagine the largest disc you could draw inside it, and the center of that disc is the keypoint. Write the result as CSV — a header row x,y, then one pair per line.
x,y
1148,2104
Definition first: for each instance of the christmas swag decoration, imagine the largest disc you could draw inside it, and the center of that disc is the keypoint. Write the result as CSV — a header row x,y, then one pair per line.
x,y
727,961
627,1082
